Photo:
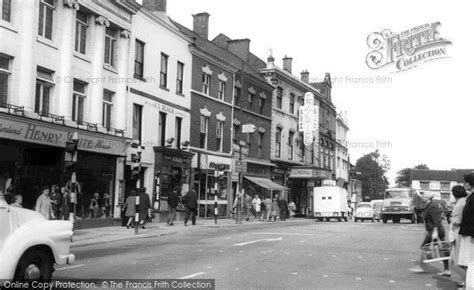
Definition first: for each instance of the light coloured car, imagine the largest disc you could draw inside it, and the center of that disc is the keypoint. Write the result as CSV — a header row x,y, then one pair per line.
x,y
30,244
364,211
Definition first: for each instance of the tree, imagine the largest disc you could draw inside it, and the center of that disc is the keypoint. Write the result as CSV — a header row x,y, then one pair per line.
x,y
372,168
403,178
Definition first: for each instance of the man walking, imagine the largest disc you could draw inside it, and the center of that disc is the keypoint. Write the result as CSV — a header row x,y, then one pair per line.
x,y
144,208
173,203
192,205
283,205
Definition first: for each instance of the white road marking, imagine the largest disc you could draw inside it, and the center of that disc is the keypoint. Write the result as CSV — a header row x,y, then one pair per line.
x,y
359,257
428,285
192,275
310,255
391,281
209,267
237,269
283,234
241,252
70,267
334,256
227,238
257,241
325,276
286,253
295,273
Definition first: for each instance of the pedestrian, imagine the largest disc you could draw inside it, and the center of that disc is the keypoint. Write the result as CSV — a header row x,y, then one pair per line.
x,y
191,207
466,228
105,205
43,204
292,208
18,201
144,209
247,207
65,202
268,208
94,206
459,193
129,208
256,205
173,200
55,197
434,229
283,205
275,215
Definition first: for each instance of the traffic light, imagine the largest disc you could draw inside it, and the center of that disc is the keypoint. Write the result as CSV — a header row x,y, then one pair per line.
x,y
135,158
70,156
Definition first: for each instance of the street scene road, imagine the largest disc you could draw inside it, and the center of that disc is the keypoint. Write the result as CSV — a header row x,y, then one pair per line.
x,y
300,254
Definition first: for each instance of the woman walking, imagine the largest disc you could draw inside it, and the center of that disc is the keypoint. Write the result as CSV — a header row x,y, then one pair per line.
x,y
275,215
129,208
43,204
466,229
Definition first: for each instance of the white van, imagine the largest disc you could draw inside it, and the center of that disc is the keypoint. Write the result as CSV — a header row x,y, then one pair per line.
x,y
330,202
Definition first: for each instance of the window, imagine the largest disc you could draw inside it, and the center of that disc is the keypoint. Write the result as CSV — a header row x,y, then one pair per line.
x,y
6,10
291,136
292,103
221,91
206,81
249,142
238,94
219,135
137,122
81,32
445,186
164,71
177,124
78,99
302,148
278,142
260,145
203,129
162,129
236,134
45,23
109,47
279,99
261,105
44,85
425,185
4,75
107,109
139,58
179,78
251,97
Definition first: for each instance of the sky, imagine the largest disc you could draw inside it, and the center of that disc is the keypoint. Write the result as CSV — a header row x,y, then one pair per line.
x,y
415,116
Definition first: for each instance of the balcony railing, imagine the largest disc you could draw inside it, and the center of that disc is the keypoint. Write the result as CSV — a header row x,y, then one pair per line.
x,y
87,125
54,118
115,131
12,108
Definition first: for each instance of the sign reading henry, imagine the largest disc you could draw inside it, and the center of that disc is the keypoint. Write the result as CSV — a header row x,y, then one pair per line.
x,y
407,49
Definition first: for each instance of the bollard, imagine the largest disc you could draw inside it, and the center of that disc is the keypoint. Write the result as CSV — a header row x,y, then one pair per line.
x,y
215,209
137,212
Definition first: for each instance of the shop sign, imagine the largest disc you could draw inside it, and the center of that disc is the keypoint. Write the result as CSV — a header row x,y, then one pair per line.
x,y
171,158
171,110
33,133
309,173
255,169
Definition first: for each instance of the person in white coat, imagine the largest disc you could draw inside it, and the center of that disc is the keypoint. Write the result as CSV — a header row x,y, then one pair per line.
x,y
257,206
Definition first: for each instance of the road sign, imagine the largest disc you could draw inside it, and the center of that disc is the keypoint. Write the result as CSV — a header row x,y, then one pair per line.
x,y
249,128
240,166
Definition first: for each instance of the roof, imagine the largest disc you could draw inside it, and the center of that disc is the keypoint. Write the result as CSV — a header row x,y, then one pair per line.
x,y
461,172
433,175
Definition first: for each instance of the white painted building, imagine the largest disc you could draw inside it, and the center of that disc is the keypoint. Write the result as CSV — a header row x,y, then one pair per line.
x,y
63,69
342,153
159,99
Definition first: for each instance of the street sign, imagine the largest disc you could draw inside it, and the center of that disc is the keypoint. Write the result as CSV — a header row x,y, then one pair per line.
x,y
309,119
240,166
249,128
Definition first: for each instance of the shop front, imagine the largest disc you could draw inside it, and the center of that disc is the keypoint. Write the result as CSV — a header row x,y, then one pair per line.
x,y
212,180
172,171
257,180
33,156
302,181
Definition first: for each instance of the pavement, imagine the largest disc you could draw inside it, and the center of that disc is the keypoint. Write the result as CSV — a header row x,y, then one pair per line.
x,y
103,235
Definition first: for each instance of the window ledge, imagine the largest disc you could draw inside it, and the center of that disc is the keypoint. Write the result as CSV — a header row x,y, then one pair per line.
x,y
139,78
7,25
110,68
180,94
46,41
164,88
81,57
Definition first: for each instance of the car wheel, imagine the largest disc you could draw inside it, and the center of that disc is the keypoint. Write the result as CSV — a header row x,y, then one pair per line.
x,y
413,218
339,220
34,265
373,220
384,220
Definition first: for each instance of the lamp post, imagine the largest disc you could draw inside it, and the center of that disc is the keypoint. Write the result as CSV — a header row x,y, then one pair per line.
x,y
71,160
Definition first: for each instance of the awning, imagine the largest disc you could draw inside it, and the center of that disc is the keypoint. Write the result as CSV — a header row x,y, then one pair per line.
x,y
266,183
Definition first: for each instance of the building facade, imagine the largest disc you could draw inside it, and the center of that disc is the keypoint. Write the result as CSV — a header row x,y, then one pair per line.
x,y
159,103
342,153
61,66
438,181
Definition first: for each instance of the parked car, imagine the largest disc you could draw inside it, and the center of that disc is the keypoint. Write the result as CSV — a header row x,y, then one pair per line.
x,y
364,211
30,244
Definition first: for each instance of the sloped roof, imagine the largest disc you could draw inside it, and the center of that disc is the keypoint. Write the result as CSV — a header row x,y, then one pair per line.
x,y
433,175
461,172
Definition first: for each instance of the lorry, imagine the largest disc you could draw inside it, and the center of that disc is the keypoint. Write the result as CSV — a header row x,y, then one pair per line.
x,y
401,203
330,202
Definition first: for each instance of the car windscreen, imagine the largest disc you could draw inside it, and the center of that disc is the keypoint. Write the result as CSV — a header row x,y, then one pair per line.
x,y
397,194
364,205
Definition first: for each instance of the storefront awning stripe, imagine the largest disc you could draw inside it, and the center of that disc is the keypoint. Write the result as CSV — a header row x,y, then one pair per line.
x,y
266,183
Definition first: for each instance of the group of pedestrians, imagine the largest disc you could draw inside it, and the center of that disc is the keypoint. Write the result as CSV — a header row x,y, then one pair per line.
x,y
269,209
461,227
144,207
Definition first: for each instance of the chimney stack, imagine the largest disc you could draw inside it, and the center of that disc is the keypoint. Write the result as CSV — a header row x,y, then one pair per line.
x,y
287,63
305,76
201,24
270,61
154,5
240,47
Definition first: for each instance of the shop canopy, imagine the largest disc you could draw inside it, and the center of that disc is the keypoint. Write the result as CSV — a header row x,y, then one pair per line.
x,y
266,183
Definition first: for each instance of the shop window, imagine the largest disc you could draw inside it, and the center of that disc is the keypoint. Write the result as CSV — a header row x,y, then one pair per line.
x,y
78,100
110,42
162,129
219,135
4,78
445,186
137,122
44,85
278,142
45,22
178,124
164,71
179,78
221,91
139,58
81,32
206,82
6,10
203,132
107,106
